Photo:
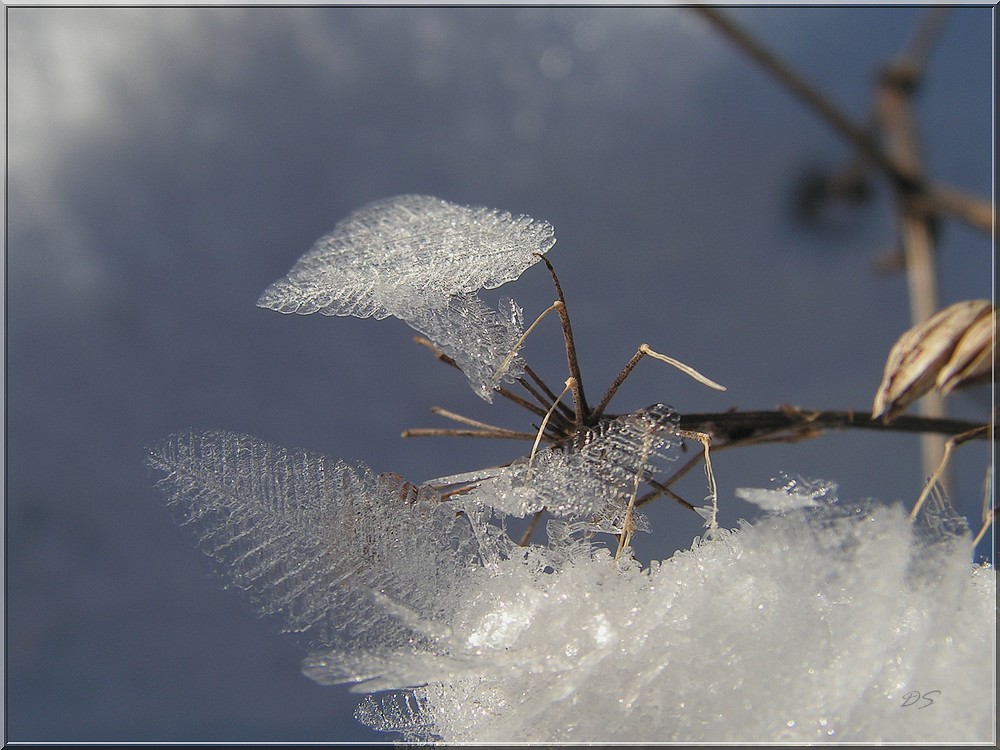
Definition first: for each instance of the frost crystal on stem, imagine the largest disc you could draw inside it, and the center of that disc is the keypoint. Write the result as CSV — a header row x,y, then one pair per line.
x,y
422,260
590,475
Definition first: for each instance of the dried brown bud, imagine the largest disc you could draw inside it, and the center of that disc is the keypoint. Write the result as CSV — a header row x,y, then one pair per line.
x,y
929,353
974,359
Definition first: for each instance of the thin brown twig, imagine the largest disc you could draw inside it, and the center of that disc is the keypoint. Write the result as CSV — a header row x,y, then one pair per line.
x,y
579,400
564,416
498,434
743,429
506,393
526,537
522,402
665,490
663,487
737,425
625,372
565,410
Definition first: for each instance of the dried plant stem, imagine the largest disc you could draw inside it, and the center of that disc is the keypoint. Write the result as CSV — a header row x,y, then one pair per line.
x,y
626,371
921,276
507,394
713,492
989,513
563,418
792,422
526,537
662,489
804,90
686,369
893,99
923,39
497,434
627,524
524,403
579,400
987,522
495,380
545,421
463,420
949,447
742,429
483,429
645,351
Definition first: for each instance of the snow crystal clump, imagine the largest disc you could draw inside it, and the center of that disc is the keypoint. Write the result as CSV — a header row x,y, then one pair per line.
x,y
831,624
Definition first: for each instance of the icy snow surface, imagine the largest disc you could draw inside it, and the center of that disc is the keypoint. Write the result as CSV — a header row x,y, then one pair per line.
x,y
831,622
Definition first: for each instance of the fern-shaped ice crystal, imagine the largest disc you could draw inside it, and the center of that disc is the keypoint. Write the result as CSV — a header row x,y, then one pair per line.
x,y
348,558
422,259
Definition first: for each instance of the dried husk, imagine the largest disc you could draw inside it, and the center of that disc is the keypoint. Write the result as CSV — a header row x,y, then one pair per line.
x,y
921,354
974,359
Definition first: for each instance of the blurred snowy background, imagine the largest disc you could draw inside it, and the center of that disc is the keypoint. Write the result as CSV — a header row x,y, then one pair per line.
x,y
166,164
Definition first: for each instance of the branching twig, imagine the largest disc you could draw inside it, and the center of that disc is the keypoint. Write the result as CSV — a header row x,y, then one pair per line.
x,y
564,415
735,429
935,198
507,394
645,351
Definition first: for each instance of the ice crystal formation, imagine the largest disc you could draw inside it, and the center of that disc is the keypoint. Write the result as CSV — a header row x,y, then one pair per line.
x,y
591,477
824,621
311,539
422,260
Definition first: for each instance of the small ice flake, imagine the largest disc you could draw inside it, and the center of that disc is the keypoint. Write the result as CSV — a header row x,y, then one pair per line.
x,y
402,711
706,511
793,493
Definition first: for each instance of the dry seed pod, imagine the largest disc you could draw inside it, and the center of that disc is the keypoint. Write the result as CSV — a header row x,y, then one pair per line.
x,y
974,358
921,353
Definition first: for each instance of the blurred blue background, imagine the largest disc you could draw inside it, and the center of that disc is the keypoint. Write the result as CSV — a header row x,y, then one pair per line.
x,y
167,164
